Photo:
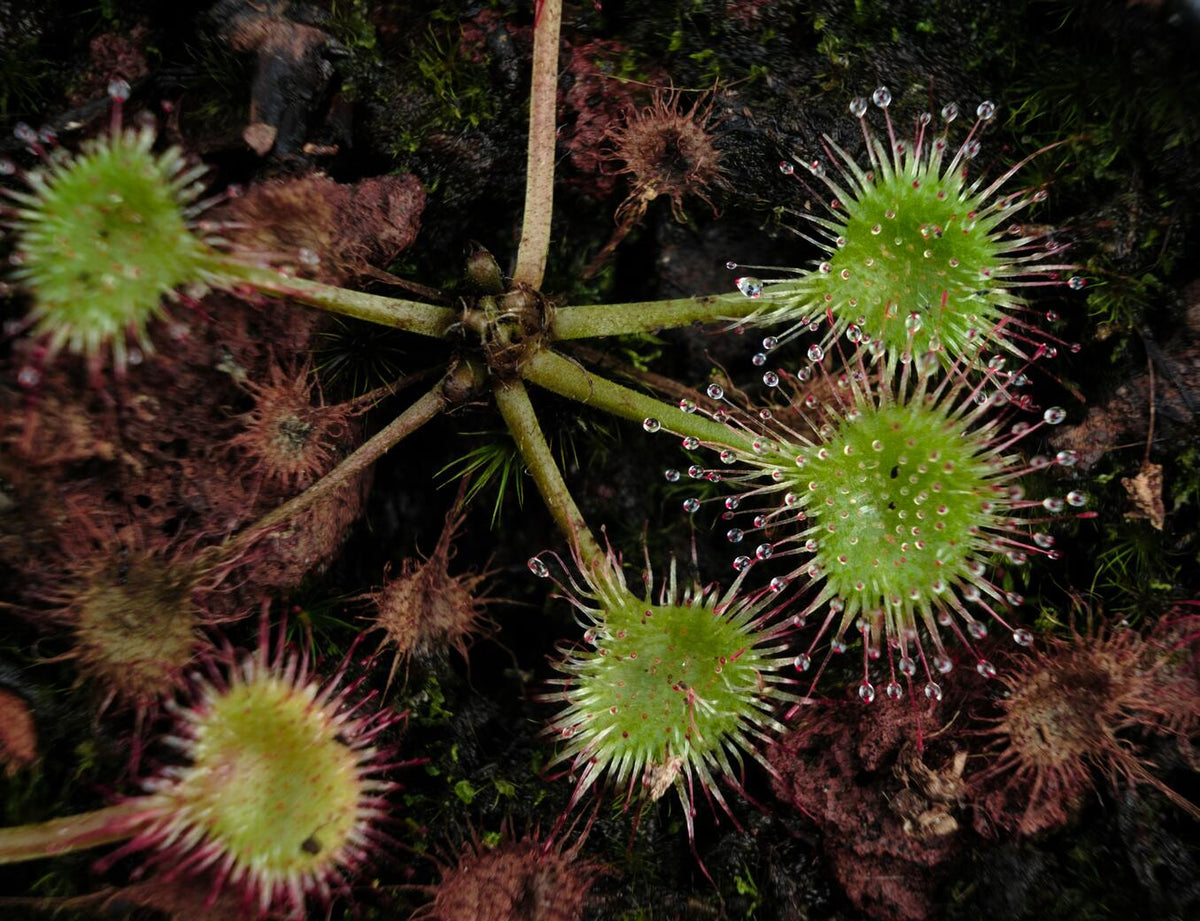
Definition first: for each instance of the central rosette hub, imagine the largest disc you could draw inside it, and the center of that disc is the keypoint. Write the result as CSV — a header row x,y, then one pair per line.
x,y
505,327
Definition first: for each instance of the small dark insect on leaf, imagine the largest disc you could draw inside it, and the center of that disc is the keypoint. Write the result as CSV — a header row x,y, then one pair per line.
x,y
311,845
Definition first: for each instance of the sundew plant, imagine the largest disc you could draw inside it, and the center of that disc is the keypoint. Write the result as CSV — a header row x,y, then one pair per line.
x,y
879,474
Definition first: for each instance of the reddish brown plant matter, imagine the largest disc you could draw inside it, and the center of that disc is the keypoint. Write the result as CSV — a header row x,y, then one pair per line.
x,y
1069,714
529,879
287,438
669,151
425,608
885,786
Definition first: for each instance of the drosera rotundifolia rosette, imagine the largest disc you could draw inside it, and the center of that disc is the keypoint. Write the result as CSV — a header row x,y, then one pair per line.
x,y
277,791
724,657
912,235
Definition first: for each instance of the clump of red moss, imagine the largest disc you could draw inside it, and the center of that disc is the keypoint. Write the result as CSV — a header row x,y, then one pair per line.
x,y
154,452
330,230
886,787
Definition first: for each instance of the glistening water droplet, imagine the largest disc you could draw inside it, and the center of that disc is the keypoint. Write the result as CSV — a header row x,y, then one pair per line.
x,y
751,287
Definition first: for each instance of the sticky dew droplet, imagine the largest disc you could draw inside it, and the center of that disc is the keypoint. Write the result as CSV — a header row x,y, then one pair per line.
x,y
750,287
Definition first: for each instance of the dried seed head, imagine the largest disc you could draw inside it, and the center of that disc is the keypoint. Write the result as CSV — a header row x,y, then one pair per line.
x,y
426,608
287,438
667,151
1064,718
279,796
668,693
